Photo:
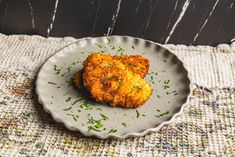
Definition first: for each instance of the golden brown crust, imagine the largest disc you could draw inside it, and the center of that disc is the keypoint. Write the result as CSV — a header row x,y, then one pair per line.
x,y
108,80
135,63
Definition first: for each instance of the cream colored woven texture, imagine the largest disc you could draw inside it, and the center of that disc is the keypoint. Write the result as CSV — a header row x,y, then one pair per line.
x,y
207,126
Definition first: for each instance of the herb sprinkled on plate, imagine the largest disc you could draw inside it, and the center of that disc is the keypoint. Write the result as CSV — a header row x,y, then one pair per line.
x,y
124,124
104,116
112,130
75,117
52,83
137,114
68,99
162,114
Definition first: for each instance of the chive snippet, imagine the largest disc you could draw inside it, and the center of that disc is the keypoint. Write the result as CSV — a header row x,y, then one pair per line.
x,y
67,109
166,81
86,106
75,117
56,69
51,83
104,116
137,113
68,99
162,114
124,124
112,130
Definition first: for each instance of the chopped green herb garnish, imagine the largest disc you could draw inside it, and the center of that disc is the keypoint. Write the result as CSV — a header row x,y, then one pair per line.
x,y
67,109
63,75
58,87
162,114
166,86
68,99
137,113
52,83
108,65
99,109
76,101
95,124
173,92
92,128
104,116
73,63
75,117
133,47
158,96
165,60
158,110
109,39
69,69
124,124
86,105
105,49
112,130
57,70
98,125
166,81
121,51
98,45
113,47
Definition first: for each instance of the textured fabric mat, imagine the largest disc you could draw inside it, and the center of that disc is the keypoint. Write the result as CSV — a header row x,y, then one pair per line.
x,y
206,127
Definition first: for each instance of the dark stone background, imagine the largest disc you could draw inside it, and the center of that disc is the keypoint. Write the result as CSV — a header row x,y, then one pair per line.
x,y
163,21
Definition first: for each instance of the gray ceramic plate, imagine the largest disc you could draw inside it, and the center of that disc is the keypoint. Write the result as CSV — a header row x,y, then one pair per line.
x,y
167,76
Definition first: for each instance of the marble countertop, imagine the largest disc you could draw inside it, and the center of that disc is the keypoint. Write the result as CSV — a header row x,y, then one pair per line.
x,y
189,22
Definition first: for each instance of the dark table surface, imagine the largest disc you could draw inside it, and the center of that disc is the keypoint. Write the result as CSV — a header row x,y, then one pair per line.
x,y
190,22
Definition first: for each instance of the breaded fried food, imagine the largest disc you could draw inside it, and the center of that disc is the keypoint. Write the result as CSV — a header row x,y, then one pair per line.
x,y
78,79
135,63
109,80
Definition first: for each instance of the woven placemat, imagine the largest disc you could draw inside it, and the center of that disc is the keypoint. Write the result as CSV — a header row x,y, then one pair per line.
x,y
206,127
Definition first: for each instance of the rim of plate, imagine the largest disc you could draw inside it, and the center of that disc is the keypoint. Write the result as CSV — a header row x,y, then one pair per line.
x,y
112,135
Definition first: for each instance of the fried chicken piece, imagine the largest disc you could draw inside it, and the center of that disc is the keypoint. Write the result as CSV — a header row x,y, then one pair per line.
x,y
77,80
135,63
108,80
